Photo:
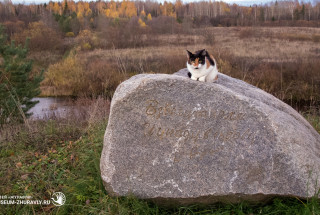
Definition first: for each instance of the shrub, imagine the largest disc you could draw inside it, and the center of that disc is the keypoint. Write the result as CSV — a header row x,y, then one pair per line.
x,y
69,34
87,40
86,46
41,37
208,37
292,82
66,77
103,76
12,28
83,77
164,25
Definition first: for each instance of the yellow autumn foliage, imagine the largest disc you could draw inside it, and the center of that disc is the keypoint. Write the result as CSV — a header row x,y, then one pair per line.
x,y
141,23
87,39
127,9
142,13
111,13
80,15
41,37
167,9
88,12
86,46
56,8
69,34
67,77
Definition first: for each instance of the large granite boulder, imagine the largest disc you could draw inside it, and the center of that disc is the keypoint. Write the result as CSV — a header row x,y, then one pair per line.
x,y
176,140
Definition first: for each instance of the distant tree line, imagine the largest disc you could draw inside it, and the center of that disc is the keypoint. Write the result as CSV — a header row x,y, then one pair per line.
x,y
72,17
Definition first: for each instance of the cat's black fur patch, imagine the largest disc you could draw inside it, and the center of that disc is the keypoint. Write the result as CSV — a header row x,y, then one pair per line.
x,y
199,54
189,74
211,61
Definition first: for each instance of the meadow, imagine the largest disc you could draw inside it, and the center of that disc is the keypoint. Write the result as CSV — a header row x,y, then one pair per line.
x,y
63,154
87,50
280,60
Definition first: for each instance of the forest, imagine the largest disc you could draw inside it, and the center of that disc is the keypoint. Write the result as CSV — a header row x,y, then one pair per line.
x,y
75,16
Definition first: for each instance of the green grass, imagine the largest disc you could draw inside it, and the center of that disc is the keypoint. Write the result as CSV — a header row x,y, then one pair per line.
x,y
59,157
314,120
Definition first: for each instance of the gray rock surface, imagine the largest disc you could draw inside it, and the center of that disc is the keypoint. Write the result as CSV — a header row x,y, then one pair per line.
x,y
175,140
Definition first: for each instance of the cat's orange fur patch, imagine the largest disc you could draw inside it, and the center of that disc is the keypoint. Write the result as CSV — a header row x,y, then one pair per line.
x,y
196,62
208,63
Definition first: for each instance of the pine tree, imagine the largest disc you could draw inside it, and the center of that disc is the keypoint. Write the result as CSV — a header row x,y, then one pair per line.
x,y
17,85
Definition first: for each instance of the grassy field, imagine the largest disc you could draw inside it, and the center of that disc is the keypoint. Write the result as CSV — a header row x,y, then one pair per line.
x,y
282,61
63,155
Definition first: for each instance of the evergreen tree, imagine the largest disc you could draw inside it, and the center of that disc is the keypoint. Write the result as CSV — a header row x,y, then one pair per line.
x,y
17,85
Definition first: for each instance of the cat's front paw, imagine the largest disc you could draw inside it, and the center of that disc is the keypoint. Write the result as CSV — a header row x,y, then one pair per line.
x,y
193,78
203,78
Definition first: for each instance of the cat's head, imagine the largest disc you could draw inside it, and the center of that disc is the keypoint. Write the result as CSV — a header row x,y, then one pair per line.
x,y
198,59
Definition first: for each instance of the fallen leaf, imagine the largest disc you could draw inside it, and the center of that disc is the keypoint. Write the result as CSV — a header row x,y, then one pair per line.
x,y
19,164
25,176
53,161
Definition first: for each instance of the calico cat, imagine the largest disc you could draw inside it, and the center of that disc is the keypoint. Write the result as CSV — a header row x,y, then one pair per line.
x,y
202,66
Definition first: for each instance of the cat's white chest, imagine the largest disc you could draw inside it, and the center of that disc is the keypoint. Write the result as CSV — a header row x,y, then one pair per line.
x,y
203,73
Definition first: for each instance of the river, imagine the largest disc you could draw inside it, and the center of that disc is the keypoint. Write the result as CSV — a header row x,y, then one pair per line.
x,y
51,107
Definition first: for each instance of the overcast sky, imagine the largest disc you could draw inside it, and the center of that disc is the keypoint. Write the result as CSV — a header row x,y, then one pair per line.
x,y
240,2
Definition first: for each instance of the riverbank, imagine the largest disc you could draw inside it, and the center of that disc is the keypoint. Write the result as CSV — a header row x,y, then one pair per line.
x,y
62,107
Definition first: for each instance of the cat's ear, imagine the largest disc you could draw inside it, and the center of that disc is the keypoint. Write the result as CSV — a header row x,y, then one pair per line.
x,y
203,52
189,54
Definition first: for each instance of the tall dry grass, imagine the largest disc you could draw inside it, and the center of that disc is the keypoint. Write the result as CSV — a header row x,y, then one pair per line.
x,y
43,134
281,61
99,72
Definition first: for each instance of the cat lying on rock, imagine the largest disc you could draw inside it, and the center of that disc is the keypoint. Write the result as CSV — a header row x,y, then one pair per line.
x,y
202,66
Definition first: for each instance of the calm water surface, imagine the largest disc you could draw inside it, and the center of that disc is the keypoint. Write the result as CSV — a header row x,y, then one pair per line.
x,y
51,107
